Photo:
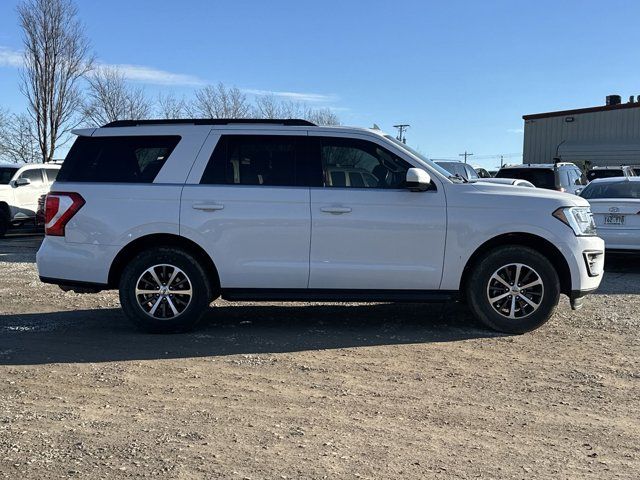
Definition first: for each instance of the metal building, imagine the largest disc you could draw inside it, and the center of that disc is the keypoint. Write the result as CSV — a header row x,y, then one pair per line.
x,y
604,135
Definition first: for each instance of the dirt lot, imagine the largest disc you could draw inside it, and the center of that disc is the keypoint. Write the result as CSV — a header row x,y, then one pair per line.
x,y
314,391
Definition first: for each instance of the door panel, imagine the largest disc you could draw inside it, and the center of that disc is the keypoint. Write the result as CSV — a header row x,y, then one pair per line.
x,y
378,234
385,239
258,237
251,210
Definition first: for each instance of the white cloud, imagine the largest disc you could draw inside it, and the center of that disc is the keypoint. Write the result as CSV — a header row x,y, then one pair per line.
x,y
295,96
135,73
10,58
515,130
154,76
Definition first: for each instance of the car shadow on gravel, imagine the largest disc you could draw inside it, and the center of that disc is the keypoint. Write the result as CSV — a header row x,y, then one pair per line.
x,y
105,335
621,275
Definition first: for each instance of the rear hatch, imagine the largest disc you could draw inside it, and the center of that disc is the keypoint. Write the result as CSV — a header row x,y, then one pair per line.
x,y
616,214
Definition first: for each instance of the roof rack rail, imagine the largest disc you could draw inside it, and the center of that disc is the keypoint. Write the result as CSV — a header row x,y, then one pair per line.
x,y
289,122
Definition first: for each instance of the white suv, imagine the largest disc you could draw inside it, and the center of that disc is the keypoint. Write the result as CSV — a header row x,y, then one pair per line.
x,y
177,213
21,185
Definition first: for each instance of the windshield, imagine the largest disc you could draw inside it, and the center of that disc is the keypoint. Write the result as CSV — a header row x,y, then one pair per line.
x,y
6,174
623,189
540,177
415,153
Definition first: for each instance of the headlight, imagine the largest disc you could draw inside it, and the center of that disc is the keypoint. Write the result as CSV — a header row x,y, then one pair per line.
x,y
579,219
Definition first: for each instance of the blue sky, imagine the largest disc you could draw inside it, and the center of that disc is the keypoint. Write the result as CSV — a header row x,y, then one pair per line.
x,y
462,73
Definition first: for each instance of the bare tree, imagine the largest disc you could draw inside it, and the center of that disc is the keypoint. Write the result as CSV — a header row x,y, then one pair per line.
x,y
269,106
109,98
18,142
322,116
56,57
220,102
171,107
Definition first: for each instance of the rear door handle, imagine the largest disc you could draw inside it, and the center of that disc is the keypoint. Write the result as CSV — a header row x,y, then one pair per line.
x,y
207,207
335,210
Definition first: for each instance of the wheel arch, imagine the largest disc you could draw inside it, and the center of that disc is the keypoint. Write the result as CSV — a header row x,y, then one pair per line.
x,y
535,242
161,240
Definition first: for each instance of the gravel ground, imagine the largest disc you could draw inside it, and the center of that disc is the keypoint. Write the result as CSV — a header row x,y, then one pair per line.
x,y
314,390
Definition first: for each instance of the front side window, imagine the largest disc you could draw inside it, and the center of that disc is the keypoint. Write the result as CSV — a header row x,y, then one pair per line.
x,y
34,175
6,174
268,160
355,163
125,159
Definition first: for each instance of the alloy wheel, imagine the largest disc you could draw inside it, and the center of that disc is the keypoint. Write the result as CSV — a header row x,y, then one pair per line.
x,y
163,291
515,291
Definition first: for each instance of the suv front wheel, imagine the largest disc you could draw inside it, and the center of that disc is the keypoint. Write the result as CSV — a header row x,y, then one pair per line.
x,y
513,289
164,290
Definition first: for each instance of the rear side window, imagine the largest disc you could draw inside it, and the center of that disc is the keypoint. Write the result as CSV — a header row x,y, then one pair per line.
x,y
268,160
126,159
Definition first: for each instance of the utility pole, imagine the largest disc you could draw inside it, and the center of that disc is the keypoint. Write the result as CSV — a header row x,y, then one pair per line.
x,y
501,161
402,128
465,155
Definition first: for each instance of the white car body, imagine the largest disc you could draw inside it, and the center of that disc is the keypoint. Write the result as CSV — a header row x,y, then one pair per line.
x,y
508,181
617,219
19,202
310,242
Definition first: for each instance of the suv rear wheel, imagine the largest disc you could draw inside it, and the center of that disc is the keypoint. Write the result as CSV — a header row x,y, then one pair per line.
x,y
513,289
164,290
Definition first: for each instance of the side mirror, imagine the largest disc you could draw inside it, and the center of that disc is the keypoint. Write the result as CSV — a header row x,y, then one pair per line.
x,y
418,180
20,182
579,191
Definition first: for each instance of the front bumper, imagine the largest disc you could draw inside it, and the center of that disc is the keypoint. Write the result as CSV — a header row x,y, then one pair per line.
x,y
584,278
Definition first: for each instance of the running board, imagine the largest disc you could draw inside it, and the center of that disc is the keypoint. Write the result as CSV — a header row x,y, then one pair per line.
x,y
333,295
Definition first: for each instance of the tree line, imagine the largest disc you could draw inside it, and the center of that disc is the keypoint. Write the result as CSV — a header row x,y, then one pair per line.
x,y
66,88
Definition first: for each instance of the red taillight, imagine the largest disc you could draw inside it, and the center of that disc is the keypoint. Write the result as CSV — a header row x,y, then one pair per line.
x,y
59,208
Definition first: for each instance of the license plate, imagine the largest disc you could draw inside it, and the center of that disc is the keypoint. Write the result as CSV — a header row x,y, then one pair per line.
x,y
614,220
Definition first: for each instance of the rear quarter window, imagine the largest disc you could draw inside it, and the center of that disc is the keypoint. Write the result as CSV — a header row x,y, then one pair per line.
x,y
125,159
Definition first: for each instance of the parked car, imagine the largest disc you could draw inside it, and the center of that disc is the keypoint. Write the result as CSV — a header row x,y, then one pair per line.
x,y
508,181
608,172
20,187
454,167
563,176
40,211
615,203
177,213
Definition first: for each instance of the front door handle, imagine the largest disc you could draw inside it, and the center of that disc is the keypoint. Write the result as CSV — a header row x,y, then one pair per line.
x,y
207,207
335,210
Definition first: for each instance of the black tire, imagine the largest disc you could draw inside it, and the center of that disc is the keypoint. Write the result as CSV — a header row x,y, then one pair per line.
x,y
4,221
137,274
483,286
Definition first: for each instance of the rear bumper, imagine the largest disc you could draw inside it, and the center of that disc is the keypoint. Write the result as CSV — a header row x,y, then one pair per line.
x,y
626,240
68,263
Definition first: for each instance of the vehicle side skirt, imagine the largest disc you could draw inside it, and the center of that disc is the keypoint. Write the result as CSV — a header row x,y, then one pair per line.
x,y
337,295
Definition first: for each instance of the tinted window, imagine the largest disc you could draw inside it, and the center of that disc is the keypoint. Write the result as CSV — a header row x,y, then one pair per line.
x,y
128,159
276,160
6,174
34,175
367,164
612,190
52,173
540,177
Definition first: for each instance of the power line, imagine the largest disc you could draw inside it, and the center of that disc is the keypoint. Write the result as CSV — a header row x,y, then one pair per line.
x,y
402,128
465,155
